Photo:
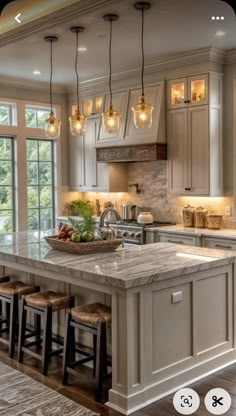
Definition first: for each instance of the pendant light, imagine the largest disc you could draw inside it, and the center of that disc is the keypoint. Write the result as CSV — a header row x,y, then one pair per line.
x,y
52,125
78,120
142,110
111,117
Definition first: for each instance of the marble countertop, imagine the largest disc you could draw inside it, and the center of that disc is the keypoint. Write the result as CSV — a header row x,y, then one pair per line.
x,y
125,268
197,232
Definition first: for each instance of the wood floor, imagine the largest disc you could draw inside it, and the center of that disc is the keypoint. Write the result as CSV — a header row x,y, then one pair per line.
x,y
81,391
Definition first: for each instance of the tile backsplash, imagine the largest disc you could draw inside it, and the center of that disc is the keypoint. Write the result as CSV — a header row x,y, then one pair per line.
x,y
152,178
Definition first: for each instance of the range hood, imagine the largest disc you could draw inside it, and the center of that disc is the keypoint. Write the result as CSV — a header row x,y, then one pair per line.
x,y
137,153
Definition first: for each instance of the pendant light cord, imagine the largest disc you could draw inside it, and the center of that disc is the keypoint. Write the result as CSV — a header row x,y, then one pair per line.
x,y
142,47
51,74
76,68
110,62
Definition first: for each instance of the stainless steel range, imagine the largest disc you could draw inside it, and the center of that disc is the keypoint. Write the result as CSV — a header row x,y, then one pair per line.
x,y
132,232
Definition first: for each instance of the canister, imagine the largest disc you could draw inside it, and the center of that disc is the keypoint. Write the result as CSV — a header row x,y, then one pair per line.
x,y
200,217
188,216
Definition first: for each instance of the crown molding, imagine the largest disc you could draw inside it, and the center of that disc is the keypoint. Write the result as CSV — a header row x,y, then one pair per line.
x,y
51,20
165,62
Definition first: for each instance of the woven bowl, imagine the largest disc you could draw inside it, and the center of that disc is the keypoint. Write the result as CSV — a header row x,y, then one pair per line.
x,y
83,248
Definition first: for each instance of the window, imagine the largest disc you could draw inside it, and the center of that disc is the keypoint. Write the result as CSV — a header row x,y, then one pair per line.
x,y
7,114
40,184
7,199
36,116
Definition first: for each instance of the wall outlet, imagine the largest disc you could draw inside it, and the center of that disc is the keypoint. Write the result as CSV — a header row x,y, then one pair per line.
x,y
228,211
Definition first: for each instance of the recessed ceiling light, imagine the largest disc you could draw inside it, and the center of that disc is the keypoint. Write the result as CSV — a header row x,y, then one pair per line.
x,y
82,48
36,72
220,33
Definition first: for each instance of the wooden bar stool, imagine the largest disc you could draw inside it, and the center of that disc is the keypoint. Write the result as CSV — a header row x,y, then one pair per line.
x,y
10,293
93,318
42,304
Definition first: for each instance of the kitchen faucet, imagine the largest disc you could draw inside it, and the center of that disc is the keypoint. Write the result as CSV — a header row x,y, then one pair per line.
x,y
105,212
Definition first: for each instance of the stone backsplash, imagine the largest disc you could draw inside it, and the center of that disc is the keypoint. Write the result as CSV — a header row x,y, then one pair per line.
x,y
152,178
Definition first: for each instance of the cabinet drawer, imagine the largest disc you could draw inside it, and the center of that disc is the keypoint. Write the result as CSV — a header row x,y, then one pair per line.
x,y
219,243
177,239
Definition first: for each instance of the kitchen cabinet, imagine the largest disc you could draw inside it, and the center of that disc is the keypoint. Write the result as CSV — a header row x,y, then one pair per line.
x,y
86,174
188,91
176,238
219,243
119,100
194,140
92,105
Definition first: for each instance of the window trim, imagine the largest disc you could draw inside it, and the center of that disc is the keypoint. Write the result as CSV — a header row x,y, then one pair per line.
x,y
13,182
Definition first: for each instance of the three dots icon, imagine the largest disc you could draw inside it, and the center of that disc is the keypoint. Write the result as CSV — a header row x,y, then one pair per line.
x,y
217,18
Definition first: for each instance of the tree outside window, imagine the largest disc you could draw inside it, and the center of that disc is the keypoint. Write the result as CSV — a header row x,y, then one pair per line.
x,y
7,201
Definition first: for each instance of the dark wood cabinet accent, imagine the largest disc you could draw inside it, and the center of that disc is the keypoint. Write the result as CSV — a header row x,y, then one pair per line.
x,y
138,153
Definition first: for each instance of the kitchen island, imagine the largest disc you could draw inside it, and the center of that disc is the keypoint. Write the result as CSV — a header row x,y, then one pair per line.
x,y
173,308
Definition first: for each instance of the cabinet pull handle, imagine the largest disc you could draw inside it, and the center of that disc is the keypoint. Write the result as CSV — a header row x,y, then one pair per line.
x,y
175,242
221,246
94,186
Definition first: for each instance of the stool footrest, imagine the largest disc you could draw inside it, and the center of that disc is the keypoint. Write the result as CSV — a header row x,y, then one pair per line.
x,y
32,353
82,361
56,352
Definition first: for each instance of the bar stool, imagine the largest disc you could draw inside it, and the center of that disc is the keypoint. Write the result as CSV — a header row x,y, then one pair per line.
x,y
10,293
93,318
42,304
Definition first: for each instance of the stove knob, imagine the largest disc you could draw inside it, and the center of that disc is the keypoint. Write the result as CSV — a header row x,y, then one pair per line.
x,y
124,234
138,235
118,233
132,234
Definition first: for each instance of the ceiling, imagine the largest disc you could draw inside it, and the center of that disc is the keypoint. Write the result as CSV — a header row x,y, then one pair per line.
x,y
171,26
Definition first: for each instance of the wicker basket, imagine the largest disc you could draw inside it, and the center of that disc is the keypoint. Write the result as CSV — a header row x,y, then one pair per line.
x,y
83,248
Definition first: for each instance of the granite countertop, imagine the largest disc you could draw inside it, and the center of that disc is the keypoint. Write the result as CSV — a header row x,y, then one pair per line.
x,y
125,268
197,232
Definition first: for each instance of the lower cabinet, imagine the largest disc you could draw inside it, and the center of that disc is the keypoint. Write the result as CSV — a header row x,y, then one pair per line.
x,y
86,174
186,240
219,243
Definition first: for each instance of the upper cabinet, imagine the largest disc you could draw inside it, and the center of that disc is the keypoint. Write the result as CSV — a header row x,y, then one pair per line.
x,y
188,91
194,137
92,105
86,174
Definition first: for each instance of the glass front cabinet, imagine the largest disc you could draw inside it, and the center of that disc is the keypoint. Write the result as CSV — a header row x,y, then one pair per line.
x,y
189,91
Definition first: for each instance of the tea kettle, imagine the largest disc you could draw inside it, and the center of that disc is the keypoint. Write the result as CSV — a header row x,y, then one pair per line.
x,y
129,211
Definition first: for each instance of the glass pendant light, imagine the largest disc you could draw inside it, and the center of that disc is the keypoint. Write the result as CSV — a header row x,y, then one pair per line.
x,y
52,125
142,110
111,117
78,120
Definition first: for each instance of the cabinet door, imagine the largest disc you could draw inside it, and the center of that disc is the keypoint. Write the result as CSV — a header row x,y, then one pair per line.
x,y
146,135
119,100
178,239
198,150
89,139
177,152
198,90
219,243
92,105
177,93
76,163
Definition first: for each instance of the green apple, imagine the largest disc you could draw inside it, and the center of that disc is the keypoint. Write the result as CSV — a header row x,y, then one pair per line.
x,y
87,236
76,237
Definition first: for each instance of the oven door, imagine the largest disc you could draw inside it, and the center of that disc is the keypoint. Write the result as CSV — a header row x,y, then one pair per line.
x,y
130,243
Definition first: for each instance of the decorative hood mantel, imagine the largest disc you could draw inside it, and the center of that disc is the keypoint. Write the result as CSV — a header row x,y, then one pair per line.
x,y
138,153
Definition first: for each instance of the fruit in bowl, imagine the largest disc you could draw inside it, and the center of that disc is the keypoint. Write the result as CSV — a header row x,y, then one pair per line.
x,y
87,236
76,237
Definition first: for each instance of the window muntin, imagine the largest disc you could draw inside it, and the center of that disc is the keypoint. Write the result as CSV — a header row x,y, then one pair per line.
x,y
35,116
7,185
7,114
40,184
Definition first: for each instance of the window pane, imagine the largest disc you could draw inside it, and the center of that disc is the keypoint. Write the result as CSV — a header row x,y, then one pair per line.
x,y
45,150
42,115
33,200
32,173
30,117
46,219
45,173
5,115
6,197
46,199
33,219
32,150
5,172
5,148
6,221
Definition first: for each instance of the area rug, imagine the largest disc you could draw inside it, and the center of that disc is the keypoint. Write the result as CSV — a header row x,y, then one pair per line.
x,y
20,395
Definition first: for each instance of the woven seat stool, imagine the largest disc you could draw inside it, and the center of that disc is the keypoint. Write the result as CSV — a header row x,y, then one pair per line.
x,y
10,293
93,318
42,304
